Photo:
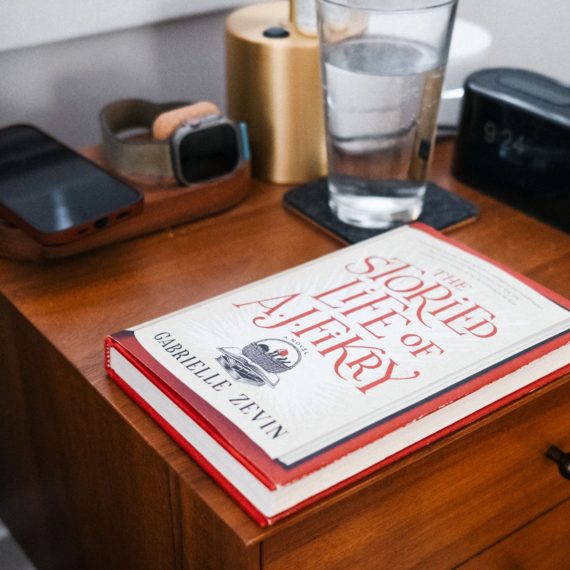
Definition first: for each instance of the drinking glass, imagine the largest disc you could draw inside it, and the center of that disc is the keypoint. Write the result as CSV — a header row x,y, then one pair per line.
x,y
382,65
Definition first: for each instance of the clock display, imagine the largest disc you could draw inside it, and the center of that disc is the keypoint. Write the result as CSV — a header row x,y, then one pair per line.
x,y
514,142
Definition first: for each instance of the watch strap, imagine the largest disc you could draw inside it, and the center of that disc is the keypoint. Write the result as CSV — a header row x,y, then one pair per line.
x,y
166,123
135,155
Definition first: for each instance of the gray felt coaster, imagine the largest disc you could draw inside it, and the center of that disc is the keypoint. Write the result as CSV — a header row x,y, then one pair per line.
x,y
442,209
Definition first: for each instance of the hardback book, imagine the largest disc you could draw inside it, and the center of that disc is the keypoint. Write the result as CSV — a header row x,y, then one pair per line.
x,y
297,385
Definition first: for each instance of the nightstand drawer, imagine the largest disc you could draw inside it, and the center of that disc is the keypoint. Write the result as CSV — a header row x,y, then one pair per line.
x,y
541,544
444,504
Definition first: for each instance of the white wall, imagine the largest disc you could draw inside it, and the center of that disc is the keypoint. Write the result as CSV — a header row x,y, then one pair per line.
x,y
26,23
61,86
533,34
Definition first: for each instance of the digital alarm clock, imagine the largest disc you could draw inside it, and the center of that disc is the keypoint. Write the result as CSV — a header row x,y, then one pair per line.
x,y
513,141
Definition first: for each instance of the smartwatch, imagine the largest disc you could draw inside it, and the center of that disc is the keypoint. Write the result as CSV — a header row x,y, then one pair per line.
x,y
193,143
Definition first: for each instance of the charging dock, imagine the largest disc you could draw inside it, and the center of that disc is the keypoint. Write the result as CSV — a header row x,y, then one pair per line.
x,y
165,206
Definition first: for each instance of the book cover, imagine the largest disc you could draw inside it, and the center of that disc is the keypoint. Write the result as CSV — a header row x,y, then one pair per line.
x,y
293,386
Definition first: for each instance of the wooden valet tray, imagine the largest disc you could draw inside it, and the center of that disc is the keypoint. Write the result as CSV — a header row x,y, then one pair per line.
x,y
165,205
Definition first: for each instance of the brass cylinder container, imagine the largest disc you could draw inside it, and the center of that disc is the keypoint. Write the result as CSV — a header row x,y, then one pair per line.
x,y
273,84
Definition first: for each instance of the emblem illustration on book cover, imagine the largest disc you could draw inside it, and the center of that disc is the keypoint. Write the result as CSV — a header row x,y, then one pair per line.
x,y
260,363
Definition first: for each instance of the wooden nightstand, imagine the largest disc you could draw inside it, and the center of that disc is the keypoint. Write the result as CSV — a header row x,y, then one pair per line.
x,y
87,480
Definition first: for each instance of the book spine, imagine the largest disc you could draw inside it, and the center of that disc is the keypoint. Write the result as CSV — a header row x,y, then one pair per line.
x,y
185,406
248,507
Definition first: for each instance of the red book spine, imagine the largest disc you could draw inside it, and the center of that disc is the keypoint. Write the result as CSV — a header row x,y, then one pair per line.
x,y
255,514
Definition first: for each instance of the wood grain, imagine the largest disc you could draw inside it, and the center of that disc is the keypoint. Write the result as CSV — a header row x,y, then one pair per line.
x,y
541,544
446,503
20,485
87,480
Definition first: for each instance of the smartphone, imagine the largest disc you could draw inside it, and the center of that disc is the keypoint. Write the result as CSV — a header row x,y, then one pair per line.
x,y
53,193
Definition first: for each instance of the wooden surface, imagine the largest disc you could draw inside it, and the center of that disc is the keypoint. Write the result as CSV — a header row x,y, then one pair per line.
x,y
87,480
541,545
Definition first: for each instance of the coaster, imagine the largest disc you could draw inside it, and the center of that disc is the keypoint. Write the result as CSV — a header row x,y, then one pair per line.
x,y
442,210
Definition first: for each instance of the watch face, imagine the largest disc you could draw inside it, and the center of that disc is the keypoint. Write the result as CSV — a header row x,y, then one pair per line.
x,y
208,153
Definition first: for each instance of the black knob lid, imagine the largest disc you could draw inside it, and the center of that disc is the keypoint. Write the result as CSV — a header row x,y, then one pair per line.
x,y
276,33
561,459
